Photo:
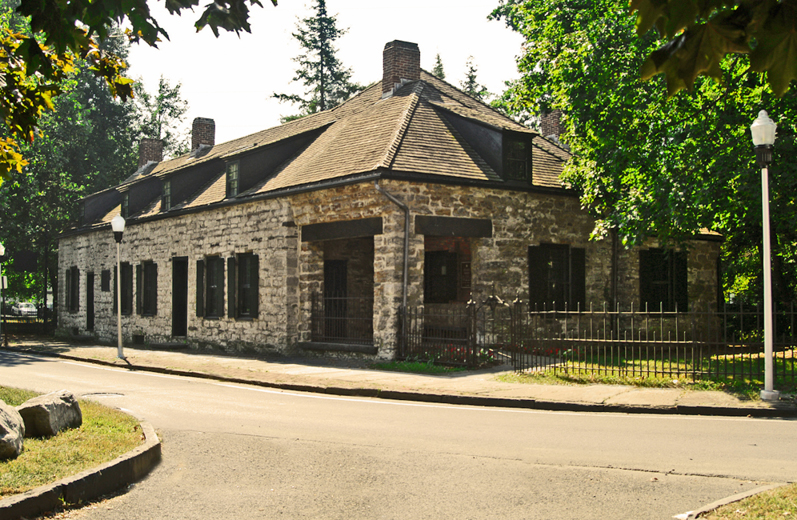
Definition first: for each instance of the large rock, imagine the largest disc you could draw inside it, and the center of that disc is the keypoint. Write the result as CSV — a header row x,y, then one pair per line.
x,y
47,415
12,430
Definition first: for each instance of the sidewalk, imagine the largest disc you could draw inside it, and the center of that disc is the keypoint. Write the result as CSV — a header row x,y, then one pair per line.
x,y
480,387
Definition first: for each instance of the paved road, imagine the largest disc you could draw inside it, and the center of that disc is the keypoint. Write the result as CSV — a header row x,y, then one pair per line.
x,y
233,451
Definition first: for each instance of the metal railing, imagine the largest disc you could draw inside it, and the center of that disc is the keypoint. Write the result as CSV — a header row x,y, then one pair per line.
x,y
700,344
340,319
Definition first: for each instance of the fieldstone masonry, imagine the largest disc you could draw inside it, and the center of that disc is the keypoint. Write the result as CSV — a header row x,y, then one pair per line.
x,y
291,270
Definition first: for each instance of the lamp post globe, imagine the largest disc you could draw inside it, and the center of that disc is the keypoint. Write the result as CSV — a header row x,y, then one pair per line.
x,y
764,131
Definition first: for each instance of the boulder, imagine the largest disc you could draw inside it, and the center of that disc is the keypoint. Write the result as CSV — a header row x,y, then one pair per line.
x,y
46,415
12,430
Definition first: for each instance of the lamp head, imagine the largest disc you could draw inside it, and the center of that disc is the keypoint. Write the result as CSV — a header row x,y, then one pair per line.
x,y
118,226
763,130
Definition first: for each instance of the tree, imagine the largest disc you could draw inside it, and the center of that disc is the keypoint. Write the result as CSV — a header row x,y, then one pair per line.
x,y
327,82
161,116
471,85
700,35
438,67
646,166
35,64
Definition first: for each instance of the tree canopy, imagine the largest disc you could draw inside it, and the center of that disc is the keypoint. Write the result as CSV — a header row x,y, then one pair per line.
x,y
700,34
35,62
471,84
438,67
647,166
327,82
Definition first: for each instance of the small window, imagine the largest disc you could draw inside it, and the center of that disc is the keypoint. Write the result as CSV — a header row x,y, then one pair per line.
x,y
440,277
127,289
166,199
663,280
125,212
232,179
557,277
147,289
105,280
243,286
72,289
517,160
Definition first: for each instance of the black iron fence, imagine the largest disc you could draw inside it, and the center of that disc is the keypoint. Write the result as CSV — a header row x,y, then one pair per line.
x,y
341,319
699,344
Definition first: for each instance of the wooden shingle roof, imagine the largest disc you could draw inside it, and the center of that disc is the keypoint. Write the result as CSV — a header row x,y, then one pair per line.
x,y
408,132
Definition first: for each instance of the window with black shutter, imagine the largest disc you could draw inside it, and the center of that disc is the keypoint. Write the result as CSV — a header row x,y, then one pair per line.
x,y
247,285
214,287
557,277
105,280
663,280
127,289
73,289
147,289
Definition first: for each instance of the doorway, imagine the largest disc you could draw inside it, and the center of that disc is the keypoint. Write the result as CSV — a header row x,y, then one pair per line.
x,y
335,293
179,296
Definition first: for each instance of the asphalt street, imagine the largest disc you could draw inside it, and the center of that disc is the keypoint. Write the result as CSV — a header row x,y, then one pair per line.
x,y
234,451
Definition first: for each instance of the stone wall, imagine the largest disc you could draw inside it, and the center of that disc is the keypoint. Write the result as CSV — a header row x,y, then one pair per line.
x,y
291,270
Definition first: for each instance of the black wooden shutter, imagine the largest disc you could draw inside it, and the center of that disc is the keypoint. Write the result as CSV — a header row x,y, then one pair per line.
x,y
578,272
232,303
200,288
537,278
68,292
254,291
139,291
680,281
152,281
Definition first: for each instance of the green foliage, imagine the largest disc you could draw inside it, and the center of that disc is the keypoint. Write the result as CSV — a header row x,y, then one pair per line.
x,y
647,166
161,116
780,502
700,35
327,82
438,67
471,85
35,64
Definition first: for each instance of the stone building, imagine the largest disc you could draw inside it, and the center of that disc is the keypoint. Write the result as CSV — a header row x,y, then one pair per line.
x,y
410,191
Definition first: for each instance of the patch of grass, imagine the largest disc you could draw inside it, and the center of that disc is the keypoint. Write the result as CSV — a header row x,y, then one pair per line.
x,y
416,367
105,434
742,389
775,503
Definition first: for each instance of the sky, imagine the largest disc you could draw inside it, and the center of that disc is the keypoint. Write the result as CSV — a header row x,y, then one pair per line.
x,y
231,79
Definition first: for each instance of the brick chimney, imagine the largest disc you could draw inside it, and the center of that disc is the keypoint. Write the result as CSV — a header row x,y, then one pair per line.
x,y
203,131
400,61
149,150
551,124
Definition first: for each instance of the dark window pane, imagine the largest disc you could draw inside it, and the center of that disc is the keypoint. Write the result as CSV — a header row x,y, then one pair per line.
x,y
517,161
440,277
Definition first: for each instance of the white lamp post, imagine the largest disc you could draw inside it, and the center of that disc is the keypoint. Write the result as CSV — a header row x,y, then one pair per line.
x,y
763,130
118,226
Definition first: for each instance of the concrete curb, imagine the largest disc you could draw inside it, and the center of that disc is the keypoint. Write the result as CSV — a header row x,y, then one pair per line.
x,y
454,399
90,484
691,515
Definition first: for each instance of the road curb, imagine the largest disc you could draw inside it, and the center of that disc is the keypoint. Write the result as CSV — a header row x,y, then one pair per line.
x,y
454,399
107,478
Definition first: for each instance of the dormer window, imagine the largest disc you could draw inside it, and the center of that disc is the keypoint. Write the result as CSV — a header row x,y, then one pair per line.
x,y
166,198
232,179
517,160
125,212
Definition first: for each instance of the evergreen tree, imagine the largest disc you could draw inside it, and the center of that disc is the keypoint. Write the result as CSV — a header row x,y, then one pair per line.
x,y
471,85
327,82
438,67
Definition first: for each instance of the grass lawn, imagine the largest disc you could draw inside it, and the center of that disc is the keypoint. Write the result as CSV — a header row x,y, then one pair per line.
x,y
416,367
775,503
105,434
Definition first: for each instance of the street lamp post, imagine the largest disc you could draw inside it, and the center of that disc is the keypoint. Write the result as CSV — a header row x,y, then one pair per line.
x,y
118,226
763,130
3,333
